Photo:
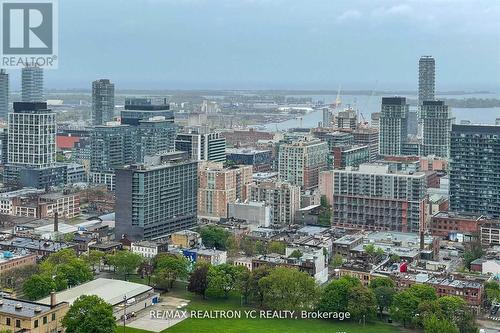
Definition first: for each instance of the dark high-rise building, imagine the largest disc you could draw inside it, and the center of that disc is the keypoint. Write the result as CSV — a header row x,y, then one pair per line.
x,y
436,121
156,198
153,126
426,79
4,94
367,137
103,101
393,125
112,146
32,84
475,169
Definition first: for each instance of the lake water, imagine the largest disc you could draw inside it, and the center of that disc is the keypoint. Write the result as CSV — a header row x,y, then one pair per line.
x,y
369,104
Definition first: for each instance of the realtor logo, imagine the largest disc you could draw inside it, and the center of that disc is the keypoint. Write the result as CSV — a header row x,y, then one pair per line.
x,y
29,33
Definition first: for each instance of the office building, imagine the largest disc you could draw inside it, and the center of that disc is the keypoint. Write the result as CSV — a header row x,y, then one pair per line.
x,y
327,118
426,78
202,147
137,109
375,197
367,137
4,94
156,198
112,146
32,84
436,119
300,162
219,186
375,120
348,156
261,160
475,170
393,125
347,119
103,101
283,199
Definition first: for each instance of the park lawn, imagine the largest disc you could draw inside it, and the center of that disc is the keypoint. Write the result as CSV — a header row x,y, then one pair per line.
x,y
244,325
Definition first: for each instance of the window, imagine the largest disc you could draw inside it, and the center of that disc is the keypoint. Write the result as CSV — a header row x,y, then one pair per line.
x,y
45,320
7,321
53,316
18,323
36,323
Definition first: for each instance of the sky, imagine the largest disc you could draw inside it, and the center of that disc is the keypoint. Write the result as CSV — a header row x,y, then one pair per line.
x,y
276,44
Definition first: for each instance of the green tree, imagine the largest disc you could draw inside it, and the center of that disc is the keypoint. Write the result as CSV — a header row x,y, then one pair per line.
x,y
335,296
38,286
325,212
125,262
214,237
222,279
198,280
257,293
361,303
337,261
289,289
404,307
433,324
492,291
295,254
384,296
89,314
472,252
169,268
260,247
244,284
248,246
381,282
423,292
276,247
94,258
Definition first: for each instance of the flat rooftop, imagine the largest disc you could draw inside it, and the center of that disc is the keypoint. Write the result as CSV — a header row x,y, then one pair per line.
x,y
24,308
112,291
34,244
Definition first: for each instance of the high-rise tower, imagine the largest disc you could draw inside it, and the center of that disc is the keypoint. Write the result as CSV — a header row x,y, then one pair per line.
x,y
103,101
426,79
32,84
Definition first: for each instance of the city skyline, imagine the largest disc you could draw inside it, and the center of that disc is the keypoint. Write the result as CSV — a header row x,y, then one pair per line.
x,y
259,44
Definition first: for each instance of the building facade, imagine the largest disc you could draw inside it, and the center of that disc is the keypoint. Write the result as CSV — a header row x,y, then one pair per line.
x,y
4,94
426,79
436,119
376,198
475,170
283,199
32,84
103,101
220,186
202,147
156,198
393,125
300,162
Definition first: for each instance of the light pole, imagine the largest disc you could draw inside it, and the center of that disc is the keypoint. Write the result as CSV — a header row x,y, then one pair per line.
x,y
124,311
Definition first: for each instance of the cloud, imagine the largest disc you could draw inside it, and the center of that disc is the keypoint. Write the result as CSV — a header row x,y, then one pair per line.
x,y
397,10
348,15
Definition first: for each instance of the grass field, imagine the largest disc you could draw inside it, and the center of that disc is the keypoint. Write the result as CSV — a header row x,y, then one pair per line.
x,y
244,325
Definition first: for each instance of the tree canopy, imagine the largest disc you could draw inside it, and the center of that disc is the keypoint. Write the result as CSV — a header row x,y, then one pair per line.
x,y
89,314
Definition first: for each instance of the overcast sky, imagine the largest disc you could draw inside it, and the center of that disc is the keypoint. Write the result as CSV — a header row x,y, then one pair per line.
x,y
289,44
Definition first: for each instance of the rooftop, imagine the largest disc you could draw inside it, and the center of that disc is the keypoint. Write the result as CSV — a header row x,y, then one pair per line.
x,y
112,291
17,307
34,244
